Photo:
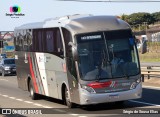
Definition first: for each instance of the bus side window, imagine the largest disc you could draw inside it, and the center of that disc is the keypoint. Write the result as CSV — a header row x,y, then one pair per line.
x,y
49,41
35,45
16,43
40,41
20,41
59,49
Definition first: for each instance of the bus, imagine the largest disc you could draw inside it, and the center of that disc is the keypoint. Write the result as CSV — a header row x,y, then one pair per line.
x,y
70,58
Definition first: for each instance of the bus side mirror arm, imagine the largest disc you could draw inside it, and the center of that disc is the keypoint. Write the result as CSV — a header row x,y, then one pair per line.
x,y
74,50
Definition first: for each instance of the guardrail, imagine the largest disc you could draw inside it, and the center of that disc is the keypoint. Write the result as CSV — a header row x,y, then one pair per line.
x,y
149,70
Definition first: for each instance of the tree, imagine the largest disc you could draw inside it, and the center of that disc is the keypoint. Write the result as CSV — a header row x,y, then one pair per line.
x,y
140,18
124,17
156,16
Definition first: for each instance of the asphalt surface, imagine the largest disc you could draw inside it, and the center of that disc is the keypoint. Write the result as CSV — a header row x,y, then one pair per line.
x,y
11,97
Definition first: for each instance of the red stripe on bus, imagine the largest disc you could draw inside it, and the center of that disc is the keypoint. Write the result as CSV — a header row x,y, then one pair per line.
x,y
40,76
32,75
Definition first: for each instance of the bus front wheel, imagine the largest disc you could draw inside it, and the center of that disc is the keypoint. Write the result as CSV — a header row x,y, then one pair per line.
x,y
67,99
33,95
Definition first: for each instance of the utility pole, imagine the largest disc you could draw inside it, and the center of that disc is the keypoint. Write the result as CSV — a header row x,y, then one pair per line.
x,y
139,27
1,40
145,24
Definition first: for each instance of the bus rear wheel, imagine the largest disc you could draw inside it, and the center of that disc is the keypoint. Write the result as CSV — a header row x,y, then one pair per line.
x,y
67,99
33,95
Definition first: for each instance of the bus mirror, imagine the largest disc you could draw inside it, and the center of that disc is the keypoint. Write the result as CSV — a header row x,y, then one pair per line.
x,y
71,44
74,50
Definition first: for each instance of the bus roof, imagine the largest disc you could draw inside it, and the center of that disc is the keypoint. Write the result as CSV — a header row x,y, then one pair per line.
x,y
80,23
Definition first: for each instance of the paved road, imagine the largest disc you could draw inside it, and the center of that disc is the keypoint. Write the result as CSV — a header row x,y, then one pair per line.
x,y
13,97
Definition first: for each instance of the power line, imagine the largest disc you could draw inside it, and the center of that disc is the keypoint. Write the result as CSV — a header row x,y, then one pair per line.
x,y
124,1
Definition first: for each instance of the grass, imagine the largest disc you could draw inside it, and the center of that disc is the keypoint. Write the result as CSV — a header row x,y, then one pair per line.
x,y
153,54
150,57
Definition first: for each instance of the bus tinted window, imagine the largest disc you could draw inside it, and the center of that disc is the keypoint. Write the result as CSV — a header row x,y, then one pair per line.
x,y
67,38
49,41
59,42
119,45
107,56
40,40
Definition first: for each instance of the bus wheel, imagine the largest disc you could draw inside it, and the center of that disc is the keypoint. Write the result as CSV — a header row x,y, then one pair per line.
x,y
33,95
67,99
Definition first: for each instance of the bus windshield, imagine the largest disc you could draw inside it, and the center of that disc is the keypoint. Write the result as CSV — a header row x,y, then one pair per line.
x,y
104,55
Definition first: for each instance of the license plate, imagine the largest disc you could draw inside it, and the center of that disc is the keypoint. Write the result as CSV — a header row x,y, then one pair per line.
x,y
114,96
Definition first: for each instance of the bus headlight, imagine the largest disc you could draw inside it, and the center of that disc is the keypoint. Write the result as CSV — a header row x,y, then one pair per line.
x,y
89,89
134,84
138,80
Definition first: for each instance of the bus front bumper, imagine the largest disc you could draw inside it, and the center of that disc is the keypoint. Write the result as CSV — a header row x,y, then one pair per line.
x,y
87,98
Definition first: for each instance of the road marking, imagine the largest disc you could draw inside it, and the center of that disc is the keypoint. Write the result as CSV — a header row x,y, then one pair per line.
x,y
78,115
145,103
60,110
28,102
36,104
46,107
12,97
74,114
5,95
19,99
152,87
4,79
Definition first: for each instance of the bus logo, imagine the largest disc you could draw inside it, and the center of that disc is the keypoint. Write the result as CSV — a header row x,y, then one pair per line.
x,y
113,84
6,111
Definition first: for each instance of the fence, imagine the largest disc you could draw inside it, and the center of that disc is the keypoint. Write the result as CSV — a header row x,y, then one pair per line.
x,y
150,70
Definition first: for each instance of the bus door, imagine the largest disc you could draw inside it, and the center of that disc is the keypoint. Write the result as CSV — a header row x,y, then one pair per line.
x,y
72,79
52,84
22,68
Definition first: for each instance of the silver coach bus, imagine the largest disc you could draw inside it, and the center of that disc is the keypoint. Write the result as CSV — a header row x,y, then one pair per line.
x,y
81,59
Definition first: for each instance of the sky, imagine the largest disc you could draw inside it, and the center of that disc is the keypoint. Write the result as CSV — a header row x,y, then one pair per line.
x,y
39,10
